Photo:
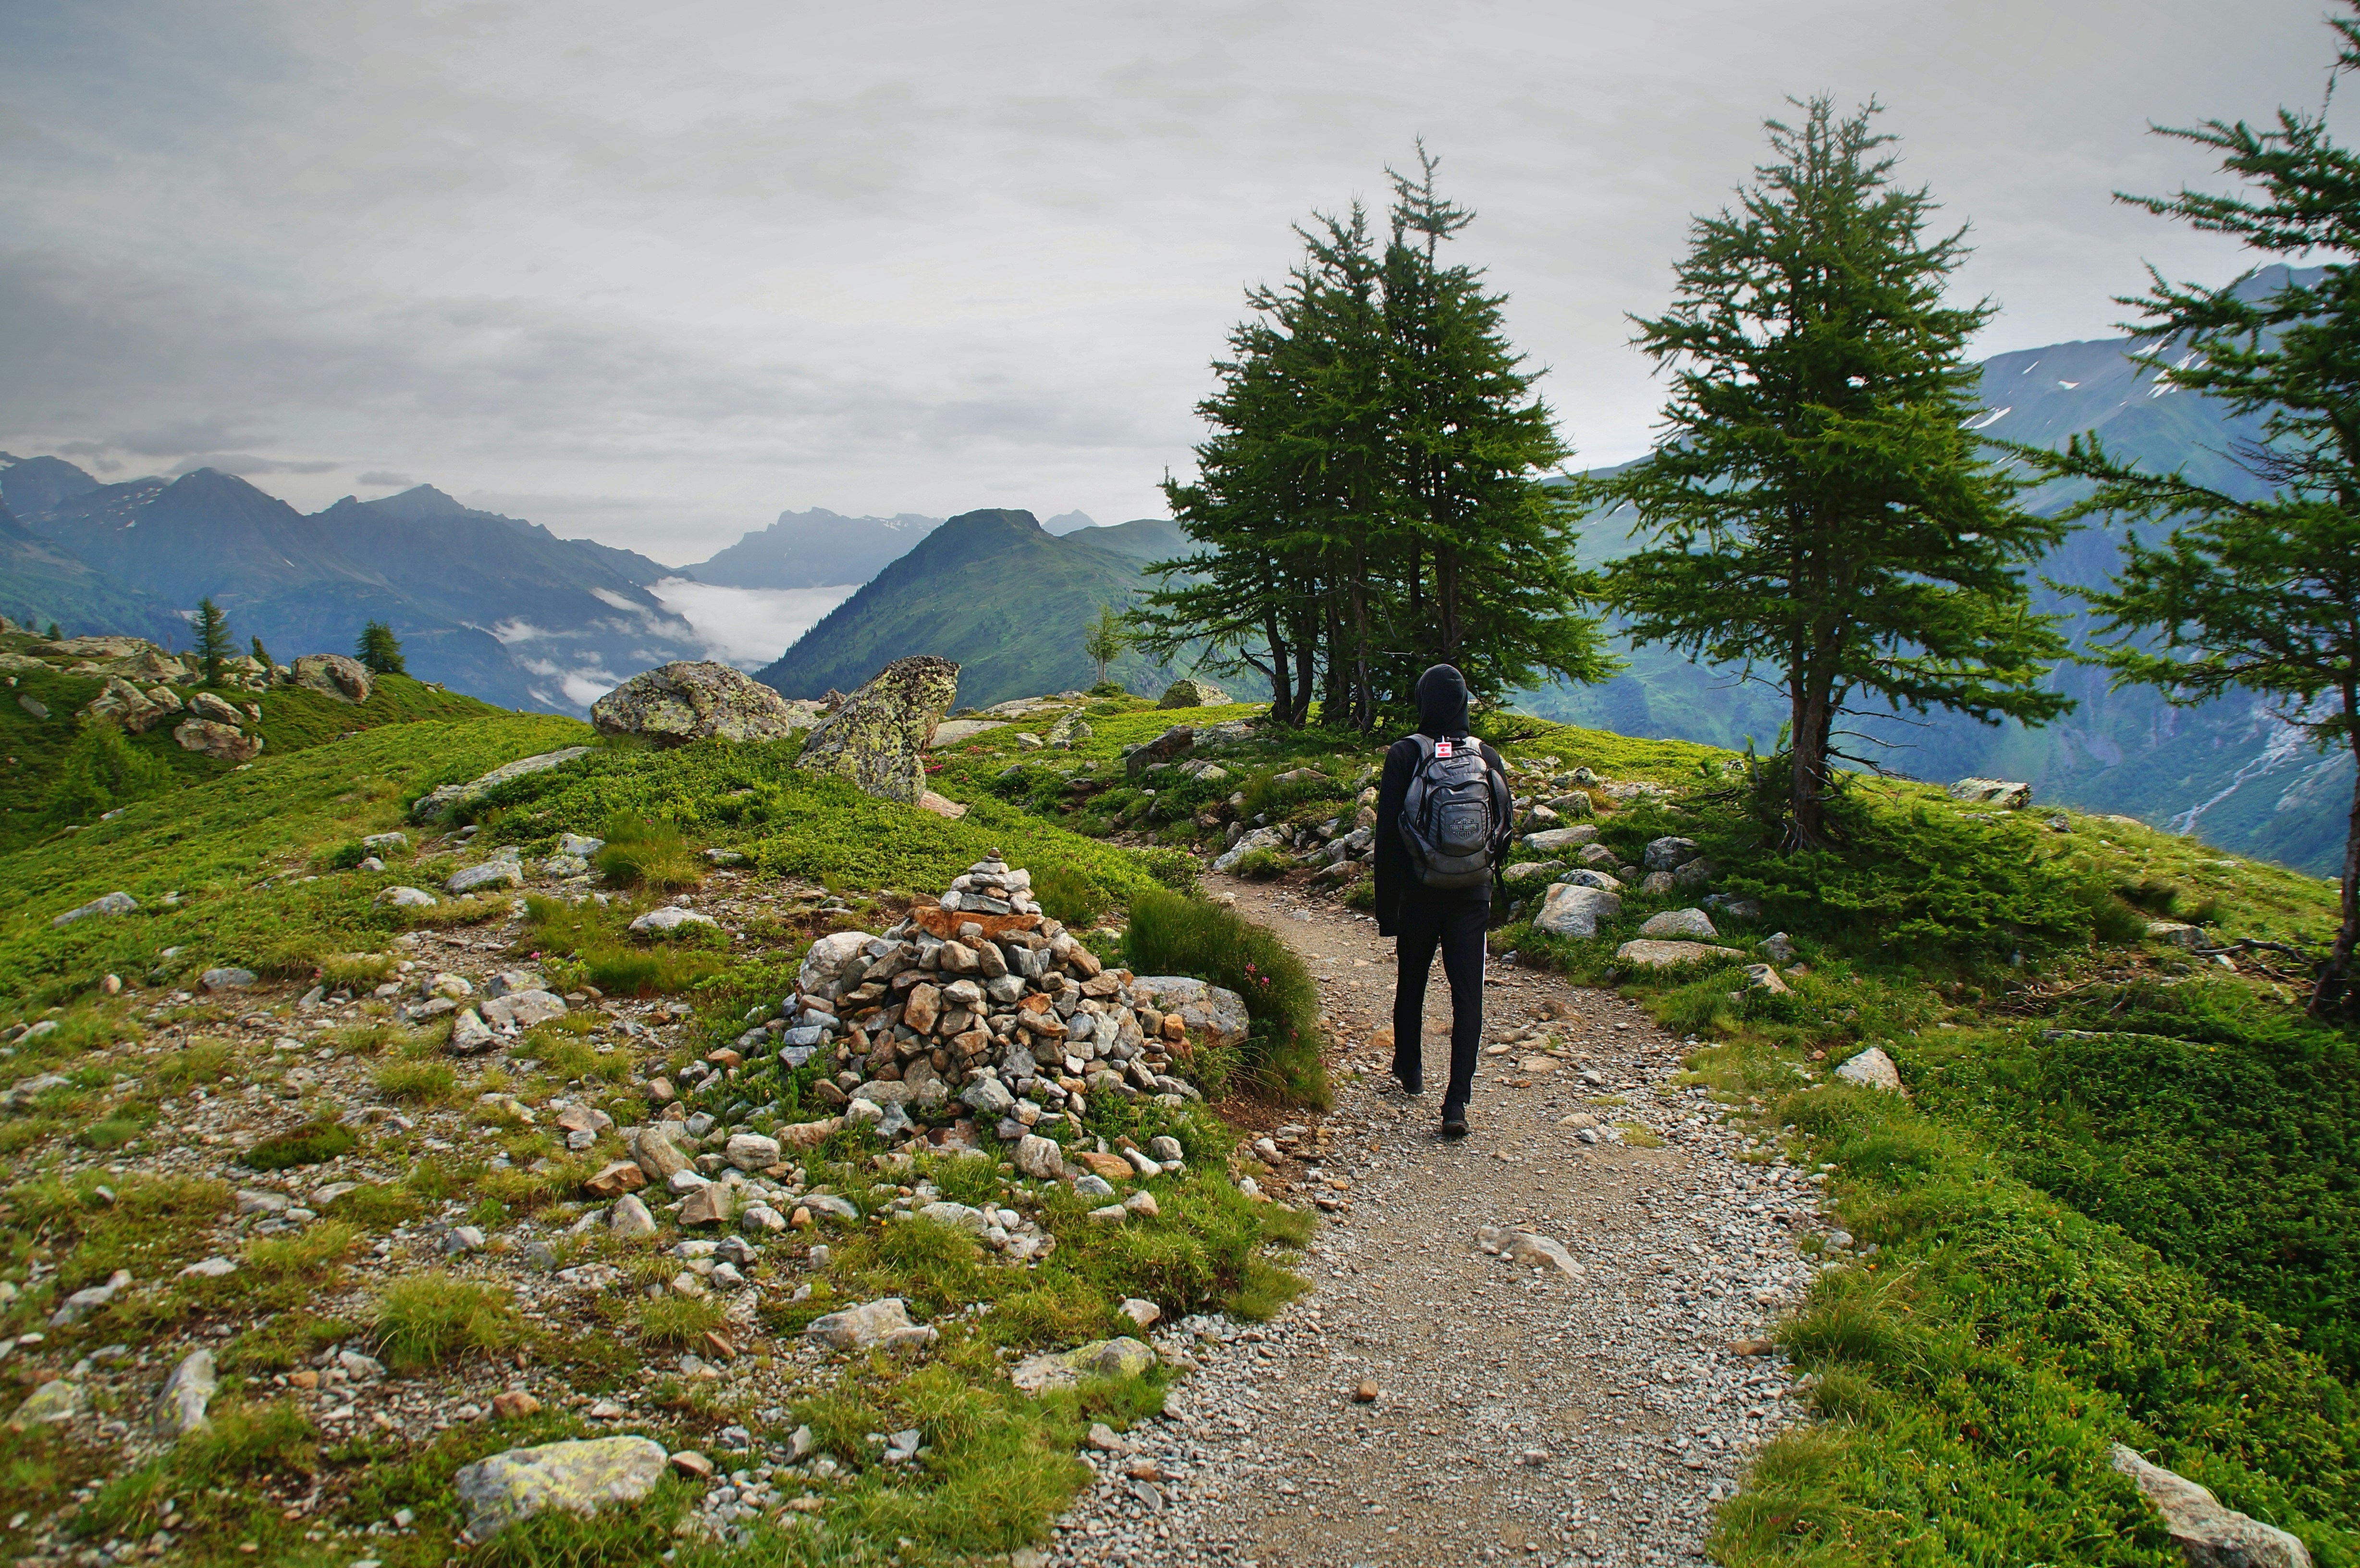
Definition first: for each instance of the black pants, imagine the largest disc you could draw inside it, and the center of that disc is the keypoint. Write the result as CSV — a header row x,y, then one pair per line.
x,y
1456,926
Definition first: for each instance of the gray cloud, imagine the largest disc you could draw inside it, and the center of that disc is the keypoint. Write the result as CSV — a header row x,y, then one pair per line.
x,y
657,276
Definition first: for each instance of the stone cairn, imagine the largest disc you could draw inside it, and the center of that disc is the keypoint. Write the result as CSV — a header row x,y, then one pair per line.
x,y
980,1015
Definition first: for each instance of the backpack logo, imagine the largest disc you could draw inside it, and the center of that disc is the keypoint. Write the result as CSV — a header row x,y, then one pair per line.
x,y
1452,816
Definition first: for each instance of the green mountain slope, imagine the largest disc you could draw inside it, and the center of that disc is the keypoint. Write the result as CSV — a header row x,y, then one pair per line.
x,y
994,590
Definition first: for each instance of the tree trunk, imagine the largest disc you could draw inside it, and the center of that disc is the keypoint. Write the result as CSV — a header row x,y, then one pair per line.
x,y
1807,826
1446,601
1282,697
1306,666
2335,980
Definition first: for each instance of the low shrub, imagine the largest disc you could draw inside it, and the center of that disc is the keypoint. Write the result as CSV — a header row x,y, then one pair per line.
x,y
1174,934
1263,864
308,1145
646,854
1068,896
680,1320
355,971
419,1082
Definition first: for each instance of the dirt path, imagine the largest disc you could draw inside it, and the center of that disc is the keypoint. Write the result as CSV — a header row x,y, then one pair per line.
x,y
1521,1413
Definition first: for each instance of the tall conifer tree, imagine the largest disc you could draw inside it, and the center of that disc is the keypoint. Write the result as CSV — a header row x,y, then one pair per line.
x,y
2256,596
1816,507
215,647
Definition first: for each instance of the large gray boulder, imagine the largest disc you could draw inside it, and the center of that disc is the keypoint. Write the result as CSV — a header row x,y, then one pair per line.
x,y
1574,911
678,702
579,1477
219,740
2007,794
878,739
1189,692
347,679
1170,746
2209,1534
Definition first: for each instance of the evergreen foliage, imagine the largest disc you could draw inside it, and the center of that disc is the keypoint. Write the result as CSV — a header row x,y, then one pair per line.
x,y
1818,508
380,651
1371,501
215,645
262,654
2255,594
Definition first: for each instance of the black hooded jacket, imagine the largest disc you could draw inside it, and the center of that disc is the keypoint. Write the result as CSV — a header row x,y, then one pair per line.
x,y
1441,715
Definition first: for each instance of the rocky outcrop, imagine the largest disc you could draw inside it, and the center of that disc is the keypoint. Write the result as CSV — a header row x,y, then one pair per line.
x,y
444,799
1653,954
2006,794
675,703
878,739
347,679
2208,1535
1572,910
135,709
1170,746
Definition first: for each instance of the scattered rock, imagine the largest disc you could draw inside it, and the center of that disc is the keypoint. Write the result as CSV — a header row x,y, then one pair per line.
x,y
752,1152
1170,746
1778,948
1039,1158
1664,955
1678,923
1541,1252
857,1328
1144,1313
54,1402
2178,933
408,898
670,918
523,1009
228,979
1872,1069
217,740
1205,1009
630,1217
514,1404
112,903
577,1476
878,738
2209,1535
709,1205
1763,977
470,1036
1551,840
1124,1357
180,1408
1572,910
500,871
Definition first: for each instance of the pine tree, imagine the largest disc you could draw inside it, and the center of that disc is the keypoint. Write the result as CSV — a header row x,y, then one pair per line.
x,y
2260,595
379,651
1818,508
262,654
1490,576
1370,498
1104,641
55,634
215,645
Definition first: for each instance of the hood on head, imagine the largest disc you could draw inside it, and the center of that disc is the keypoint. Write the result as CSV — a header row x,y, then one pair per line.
x,y
1442,702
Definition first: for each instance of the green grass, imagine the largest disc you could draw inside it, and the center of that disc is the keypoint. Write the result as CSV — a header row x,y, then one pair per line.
x,y
310,1145
424,1082
428,1319
220,1479
680,1320
215,842
649,855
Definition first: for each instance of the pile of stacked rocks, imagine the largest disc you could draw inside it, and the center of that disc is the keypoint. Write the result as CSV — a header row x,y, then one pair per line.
x,y
978,1013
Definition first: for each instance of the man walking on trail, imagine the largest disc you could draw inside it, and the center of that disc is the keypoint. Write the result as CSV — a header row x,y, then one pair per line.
x,y
1442,819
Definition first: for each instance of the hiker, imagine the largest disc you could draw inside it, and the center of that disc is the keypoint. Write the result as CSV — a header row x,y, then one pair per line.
x,y
1443,818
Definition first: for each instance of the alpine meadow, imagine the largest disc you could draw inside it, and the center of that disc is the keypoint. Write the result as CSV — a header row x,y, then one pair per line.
x,y
905,1037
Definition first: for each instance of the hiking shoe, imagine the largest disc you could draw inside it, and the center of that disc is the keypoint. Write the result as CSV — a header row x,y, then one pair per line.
x,y
1454,1121
1412,1081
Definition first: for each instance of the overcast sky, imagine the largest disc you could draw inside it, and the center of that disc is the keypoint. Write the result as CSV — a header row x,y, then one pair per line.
x,y
653,273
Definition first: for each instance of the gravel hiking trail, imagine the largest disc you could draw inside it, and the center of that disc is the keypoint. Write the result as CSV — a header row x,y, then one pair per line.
x,y
1430,1400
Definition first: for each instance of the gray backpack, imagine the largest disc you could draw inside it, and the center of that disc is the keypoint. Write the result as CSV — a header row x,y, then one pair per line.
x,y
1455,814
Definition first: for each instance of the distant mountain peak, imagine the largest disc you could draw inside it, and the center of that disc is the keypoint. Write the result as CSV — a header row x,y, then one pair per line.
x,y
1070,522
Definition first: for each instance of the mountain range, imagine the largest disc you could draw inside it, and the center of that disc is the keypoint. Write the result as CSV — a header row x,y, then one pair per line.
x,y
488,604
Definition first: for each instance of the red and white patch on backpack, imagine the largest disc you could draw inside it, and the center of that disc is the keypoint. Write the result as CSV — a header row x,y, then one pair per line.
x,y
1442,748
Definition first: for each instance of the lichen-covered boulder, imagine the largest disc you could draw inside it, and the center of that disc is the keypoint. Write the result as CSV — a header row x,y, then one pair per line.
x,y
2007,794
134,710
348,678
1572,910
1190,692
218,740
878,739
578,1476
684,701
